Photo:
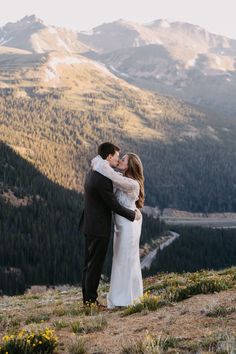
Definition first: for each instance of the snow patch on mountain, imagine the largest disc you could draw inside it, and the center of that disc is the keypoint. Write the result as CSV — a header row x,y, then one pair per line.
x,y
52,29
62,44
190,63
39,44
50,75
118,72
164,24
66,60
51,72
4,41
103,68
136,42
88,33
219,63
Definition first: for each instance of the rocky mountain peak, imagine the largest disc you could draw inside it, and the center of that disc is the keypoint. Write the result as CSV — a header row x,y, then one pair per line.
x,y
26,23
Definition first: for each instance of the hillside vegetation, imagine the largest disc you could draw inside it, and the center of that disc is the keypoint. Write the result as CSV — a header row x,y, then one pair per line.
x,y
40,237
188,163
179,313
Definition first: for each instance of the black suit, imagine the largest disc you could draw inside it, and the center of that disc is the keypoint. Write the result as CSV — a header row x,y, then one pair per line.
x,y
99,204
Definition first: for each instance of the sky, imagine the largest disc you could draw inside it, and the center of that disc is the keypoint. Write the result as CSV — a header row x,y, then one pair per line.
x,y
217,16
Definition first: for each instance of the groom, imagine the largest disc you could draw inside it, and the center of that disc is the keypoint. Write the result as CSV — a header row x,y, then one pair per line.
x,y
99,204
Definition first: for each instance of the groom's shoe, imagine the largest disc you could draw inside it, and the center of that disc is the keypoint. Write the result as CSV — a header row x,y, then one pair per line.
x,y
96,304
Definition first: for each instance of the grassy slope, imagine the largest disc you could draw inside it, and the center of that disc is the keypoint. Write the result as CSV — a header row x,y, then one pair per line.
x,y
202,323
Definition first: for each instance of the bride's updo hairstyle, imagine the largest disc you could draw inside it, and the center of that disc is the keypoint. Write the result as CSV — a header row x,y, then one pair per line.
x,y
135,170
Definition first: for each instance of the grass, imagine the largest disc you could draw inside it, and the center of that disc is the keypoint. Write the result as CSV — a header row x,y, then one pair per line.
x,y
69,310
59,324
94,324
78,347
90,310
9,323
220,311
44,317
221,343
151,345
175,287
148,302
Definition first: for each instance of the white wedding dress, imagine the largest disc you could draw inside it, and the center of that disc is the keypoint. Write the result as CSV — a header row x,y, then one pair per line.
x,y
126,286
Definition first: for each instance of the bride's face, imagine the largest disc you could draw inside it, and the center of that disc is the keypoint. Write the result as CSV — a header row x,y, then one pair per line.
x,y
113,159
123,163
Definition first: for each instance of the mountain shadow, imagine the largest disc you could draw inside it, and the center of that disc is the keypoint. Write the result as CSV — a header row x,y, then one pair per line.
x,y
39,224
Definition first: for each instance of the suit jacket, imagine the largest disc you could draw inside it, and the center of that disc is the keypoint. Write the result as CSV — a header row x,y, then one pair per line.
x,y
100,201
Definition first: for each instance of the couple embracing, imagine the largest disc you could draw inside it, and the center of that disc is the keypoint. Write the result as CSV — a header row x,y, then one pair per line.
x,y
120,193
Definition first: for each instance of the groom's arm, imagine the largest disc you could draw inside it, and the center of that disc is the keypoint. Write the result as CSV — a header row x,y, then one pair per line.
x,y
105,190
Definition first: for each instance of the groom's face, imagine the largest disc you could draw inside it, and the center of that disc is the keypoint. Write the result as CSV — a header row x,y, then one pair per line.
x,y
113,159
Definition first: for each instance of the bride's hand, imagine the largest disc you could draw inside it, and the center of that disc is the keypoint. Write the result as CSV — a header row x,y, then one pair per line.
x,y
138,214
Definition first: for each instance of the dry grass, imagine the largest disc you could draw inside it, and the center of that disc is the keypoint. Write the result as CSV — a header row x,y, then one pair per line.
x,y
175,327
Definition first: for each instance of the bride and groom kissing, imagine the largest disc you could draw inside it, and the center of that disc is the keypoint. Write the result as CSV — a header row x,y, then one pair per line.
x,y
121,194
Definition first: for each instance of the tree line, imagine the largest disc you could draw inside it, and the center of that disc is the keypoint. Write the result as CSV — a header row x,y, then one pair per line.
x,y
189,174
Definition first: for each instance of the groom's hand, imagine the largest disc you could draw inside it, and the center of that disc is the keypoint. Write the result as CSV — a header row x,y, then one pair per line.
x,y
138,214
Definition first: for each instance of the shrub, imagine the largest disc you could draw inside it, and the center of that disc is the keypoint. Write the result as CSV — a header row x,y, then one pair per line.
x,y
78,347
26,342
151,345
95,324
220,311
147,302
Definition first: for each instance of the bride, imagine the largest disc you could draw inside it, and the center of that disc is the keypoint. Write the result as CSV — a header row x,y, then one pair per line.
x,y
126,286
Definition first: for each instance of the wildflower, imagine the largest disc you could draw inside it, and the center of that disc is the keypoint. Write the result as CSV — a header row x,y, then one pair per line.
x,y
6,338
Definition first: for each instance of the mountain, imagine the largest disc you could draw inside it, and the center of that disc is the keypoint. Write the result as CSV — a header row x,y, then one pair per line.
x,y
172,58
57,106
183,40
31,34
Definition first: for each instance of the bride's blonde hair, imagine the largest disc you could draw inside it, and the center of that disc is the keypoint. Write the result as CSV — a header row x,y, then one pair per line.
x,y
135,170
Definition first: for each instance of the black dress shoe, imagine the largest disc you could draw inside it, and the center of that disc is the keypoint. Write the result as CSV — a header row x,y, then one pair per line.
x,y
95,303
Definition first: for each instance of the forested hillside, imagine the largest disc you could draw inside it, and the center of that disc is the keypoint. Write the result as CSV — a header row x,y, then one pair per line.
x,y
41,238
197,248
188,165
40,241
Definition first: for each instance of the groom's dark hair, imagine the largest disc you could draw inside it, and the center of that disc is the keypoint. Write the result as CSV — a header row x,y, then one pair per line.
x,y
106,149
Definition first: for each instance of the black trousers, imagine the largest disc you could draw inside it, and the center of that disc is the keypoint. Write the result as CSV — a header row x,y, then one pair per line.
x,y
95,253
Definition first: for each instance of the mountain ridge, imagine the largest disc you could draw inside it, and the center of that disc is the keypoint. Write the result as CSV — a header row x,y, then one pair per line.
x,y
71,101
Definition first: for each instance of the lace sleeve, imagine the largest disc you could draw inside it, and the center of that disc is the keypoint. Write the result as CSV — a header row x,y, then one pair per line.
x,y
120,182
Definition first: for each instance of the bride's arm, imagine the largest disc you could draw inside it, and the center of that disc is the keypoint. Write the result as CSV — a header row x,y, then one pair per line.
x,y
124,183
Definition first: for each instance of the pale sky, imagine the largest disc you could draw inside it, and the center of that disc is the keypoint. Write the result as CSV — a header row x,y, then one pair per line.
x,y
217,16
